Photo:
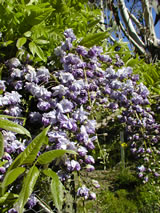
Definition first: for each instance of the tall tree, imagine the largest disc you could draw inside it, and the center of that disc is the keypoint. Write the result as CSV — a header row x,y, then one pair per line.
x,y
135,19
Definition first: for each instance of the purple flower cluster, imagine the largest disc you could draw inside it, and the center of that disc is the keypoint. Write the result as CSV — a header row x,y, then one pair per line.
x,y
67,99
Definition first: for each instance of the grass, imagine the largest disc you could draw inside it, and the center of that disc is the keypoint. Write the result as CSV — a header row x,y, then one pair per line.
x,y
121,191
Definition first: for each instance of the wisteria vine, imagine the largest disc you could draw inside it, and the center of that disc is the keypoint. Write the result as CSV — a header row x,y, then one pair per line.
x,y
67,99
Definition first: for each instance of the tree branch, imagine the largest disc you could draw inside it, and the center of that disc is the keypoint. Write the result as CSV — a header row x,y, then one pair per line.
x,y
149,22
129,26
140,49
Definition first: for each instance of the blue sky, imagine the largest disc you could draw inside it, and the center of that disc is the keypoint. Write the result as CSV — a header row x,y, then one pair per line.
x,y
157,27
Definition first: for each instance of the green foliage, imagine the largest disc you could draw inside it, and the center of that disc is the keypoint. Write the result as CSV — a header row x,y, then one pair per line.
x,y
11,177
94,39
30,174
1,145
118,203
27,188
30,153
125,178
56,188
11,126
148,198
49,156
36,27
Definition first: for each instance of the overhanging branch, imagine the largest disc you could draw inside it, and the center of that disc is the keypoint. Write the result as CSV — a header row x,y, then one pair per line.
x,y
129,26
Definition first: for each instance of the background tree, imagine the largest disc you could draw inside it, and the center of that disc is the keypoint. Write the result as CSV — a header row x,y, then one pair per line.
x,y
135,20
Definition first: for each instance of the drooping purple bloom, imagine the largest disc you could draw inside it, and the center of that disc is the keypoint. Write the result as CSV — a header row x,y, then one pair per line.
x,y
92,196
94,51
77,85
13,111
119,62
65,106
2,85
54,135
66,77
81,50
90,168
35,117
141,168
64,143
113,106
95,184
43,105
38,91
2,170
69,34
90,126
67,123
11,98
32,201
67,45
7,156
72,59
89,159
144,92
13,63
80,114
49,118
42,92
43,74
83,136
105,58
12,210
157,174
59,90
72,165
31,75
83,192
18,85
59,51
82,151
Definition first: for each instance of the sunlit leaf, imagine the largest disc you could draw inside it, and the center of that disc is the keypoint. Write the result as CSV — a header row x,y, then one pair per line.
x,y
11,126
8,197
94,39
21,42
11,176
27,188
1,145
49,156
30,153
56,188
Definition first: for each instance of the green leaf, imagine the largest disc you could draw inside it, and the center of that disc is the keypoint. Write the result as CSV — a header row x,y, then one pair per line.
x,y
56,188
40,41
11,126
7,197
28,34
94,39
6,43
131,62
30,153
11,176
21,42
36,49
1,145
32,47
9,116
148,79
40,53
27,188
3,162
49,156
